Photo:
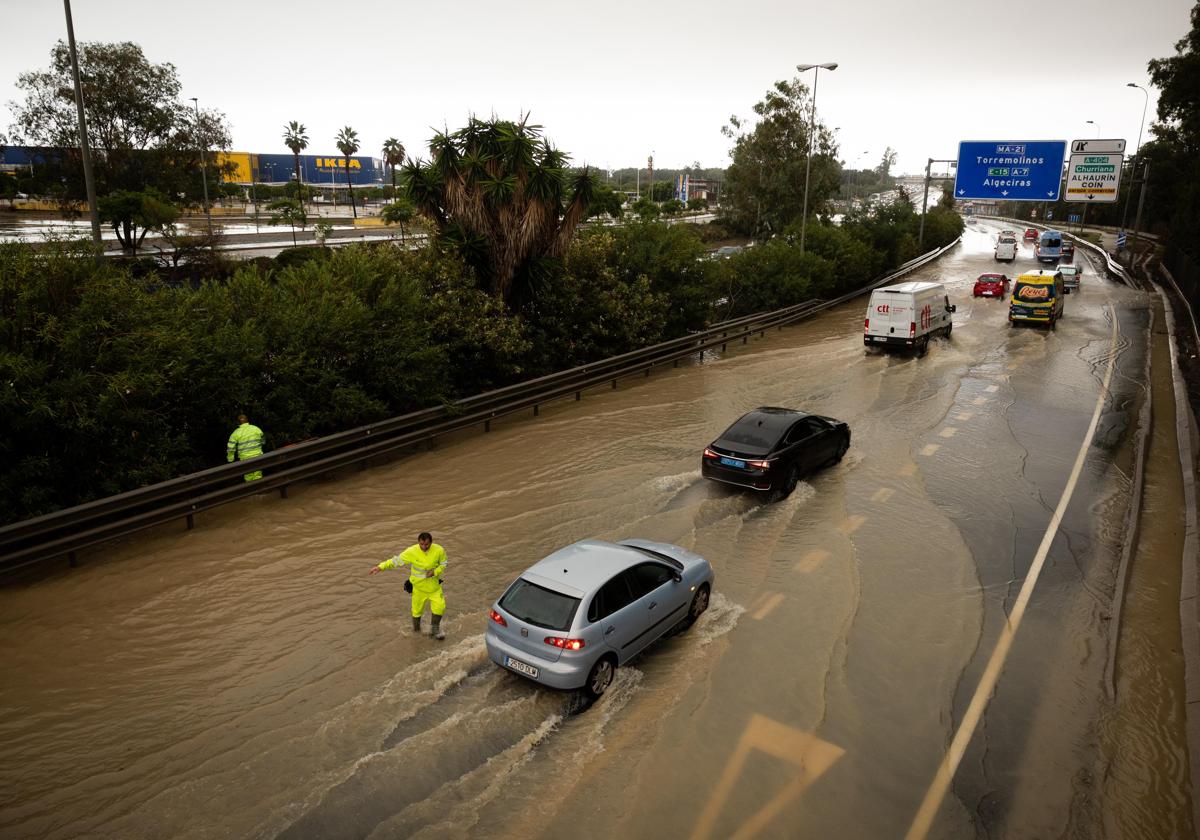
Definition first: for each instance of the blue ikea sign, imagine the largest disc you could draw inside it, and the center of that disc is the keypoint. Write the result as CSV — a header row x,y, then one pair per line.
x,y
1010,171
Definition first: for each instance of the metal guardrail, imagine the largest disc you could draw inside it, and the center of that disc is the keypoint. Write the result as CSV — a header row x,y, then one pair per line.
x,y
67,531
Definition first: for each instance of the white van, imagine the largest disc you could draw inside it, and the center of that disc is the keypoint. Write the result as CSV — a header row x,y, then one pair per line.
x,y
1006,248
905,315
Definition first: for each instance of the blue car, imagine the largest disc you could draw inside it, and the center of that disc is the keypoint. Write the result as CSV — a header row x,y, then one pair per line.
x,y
570,620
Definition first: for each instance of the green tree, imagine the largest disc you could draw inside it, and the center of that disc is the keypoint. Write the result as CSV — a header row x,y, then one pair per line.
x,y
1174,155
497,193
393,156
884,169
764,191
400,212
288,211
645,209
347,143
148,137
295,137
697,204
134,214
606,200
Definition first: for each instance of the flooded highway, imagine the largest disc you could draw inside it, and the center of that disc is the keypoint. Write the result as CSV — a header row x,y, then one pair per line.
x,y
248,679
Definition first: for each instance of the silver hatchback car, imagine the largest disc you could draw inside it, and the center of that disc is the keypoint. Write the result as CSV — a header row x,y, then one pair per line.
x,y
571,619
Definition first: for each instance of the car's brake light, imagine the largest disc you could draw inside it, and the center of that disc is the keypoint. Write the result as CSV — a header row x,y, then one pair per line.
x,y
496,617
866,324
762,465
708,453
565,644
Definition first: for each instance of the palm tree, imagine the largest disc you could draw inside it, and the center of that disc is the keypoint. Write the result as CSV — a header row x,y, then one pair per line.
x,y
295,137
499,194
393,156
347,143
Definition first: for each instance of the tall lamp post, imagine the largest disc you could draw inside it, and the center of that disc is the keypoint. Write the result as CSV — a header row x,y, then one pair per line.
x,y
1137,150
812,123
85,155
203,168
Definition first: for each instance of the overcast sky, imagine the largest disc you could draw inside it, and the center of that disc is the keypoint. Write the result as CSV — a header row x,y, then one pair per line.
x,y
613,81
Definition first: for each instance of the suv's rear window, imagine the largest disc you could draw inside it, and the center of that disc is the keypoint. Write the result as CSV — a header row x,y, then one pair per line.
x,y
539,606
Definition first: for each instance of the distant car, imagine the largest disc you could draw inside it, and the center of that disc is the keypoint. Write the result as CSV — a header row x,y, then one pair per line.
x,y
1070,275
1006,248
571,619
727,251
1068,250
770,448
1031,235
991,285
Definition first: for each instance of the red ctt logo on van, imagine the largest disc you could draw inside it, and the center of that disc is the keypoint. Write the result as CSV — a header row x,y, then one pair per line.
x,y
883,309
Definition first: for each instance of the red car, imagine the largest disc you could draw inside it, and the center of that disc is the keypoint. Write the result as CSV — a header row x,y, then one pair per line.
x,y
991,285
1031,235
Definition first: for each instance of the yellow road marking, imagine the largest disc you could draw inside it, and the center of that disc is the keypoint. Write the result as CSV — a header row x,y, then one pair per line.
x,y
930,448
923,821
992,388
808,753
766,609
980,401
908,469
883,494
851,524
812,560
948,432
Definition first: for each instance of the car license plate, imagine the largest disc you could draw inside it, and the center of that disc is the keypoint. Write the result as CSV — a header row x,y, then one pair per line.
x,y
733,462
516,665
879,338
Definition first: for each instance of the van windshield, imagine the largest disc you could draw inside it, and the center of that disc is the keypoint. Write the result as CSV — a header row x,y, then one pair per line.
x,y
1033,292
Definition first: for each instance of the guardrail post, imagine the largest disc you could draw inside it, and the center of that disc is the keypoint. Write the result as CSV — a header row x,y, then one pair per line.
x,y
72,559
614,384
674,363
578,396
191,521
535,409
647,373
487,425
283,492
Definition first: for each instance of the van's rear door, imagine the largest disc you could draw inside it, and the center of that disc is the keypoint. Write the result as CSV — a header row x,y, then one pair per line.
x,y
889,314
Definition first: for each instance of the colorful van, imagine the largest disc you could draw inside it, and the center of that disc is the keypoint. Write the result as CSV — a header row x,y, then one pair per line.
x,y
1037,298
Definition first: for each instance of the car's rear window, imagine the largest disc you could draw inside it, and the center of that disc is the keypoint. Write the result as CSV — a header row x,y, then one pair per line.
x,y
748,431
539,606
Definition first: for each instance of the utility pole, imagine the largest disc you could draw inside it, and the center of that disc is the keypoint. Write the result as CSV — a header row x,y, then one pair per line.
x,y
925,201
85,154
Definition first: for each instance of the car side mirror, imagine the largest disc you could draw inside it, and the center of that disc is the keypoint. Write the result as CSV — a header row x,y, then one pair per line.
x,y
678,578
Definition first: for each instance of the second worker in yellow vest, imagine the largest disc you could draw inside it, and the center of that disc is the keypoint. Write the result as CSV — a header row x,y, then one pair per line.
x,y
426,563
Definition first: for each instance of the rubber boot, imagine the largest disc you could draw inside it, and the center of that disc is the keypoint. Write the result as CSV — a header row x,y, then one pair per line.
x,y
437,628
417,625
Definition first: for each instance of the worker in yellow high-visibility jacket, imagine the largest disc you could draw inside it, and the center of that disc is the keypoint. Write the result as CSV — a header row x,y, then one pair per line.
x,y
245,442
426,563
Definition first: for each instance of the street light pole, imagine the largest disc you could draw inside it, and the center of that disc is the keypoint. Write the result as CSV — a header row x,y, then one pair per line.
x,y
812,123
1137,151
203,168
89,180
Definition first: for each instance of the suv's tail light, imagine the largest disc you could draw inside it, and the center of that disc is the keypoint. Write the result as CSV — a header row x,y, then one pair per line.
x,y
565,644
496,617
912,329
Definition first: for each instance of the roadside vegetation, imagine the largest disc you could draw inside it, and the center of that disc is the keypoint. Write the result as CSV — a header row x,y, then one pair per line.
x,y
118,374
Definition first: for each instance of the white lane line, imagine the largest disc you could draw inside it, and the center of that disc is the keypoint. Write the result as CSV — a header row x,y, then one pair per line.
x,y
930,448
766,609
963,416
812,560
991,389
851,524
980,401
923,820
948,432
908,469
883,494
